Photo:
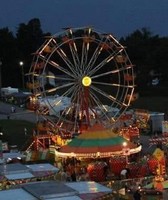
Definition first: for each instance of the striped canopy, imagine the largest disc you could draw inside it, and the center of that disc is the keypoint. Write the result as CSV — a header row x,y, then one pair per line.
x,y
98,142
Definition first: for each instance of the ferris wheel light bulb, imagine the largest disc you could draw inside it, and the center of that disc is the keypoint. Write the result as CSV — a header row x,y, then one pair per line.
x,y
86,81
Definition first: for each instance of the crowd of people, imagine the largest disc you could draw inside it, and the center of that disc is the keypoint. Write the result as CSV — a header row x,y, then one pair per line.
x,y
72,170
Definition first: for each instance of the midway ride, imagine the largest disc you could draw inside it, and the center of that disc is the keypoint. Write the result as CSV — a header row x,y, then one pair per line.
x,y
84,77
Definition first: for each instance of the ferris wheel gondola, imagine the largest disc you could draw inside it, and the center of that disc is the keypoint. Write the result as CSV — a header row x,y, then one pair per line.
x,y
83,77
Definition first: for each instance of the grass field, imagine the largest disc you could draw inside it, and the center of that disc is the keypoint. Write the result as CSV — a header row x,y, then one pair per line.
x,y
155,104
13,131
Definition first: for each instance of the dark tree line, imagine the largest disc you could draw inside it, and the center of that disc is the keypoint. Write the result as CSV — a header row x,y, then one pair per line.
x,y
19,47
148,52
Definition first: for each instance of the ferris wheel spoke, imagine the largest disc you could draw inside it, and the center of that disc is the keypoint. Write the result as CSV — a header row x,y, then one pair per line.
x,y
102,44
74,53
87,42
34,74
55,89
114,41
47,46
62,54
71,93
65,94
75,96
71,108
65,58
84,58
78,103
93,58
60,87
65,110
100,105
104,62
62,69
113,84
54,77
68,92
110,97
85,48
125,68
57,66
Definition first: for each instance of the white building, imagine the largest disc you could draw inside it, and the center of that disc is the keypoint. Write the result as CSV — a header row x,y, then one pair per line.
x,y
9,90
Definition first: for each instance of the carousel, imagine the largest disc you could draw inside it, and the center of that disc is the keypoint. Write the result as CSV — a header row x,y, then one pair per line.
x,y
97,141
82,82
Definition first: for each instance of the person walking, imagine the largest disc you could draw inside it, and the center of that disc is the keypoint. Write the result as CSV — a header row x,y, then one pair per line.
x,y
13,109
25,131
137,195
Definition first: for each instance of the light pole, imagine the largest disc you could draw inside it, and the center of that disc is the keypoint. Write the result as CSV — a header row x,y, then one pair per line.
x,y
22,71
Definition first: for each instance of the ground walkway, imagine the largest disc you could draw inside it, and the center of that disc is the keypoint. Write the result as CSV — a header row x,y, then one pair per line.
x,y
20,113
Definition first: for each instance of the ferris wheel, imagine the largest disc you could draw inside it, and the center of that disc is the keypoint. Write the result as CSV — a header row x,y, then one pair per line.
x,y
82,76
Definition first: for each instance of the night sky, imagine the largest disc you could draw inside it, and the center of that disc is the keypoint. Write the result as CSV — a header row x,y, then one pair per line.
x,y
119,17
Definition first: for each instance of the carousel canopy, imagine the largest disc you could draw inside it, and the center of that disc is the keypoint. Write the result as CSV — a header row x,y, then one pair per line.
x,y
98,142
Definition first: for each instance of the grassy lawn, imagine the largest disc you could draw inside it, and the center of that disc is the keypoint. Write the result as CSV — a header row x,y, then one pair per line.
x,y
153,103
13,131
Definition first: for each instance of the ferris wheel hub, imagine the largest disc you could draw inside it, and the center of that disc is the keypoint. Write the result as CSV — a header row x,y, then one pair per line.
x,y
86,81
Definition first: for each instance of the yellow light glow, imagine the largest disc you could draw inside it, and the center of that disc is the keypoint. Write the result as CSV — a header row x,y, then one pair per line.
x,y
124,144
86,81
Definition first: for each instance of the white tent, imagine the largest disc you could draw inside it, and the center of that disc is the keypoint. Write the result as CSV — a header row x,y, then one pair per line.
x,y
54,190
17,194
42,167
18,176
55,103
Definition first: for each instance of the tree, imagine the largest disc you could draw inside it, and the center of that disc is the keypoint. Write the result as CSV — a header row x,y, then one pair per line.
x,y
29,39
148,53
8,54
